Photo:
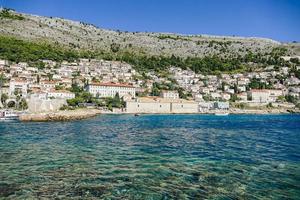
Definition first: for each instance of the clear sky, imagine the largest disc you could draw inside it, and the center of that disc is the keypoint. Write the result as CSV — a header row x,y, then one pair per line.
x,y
276,19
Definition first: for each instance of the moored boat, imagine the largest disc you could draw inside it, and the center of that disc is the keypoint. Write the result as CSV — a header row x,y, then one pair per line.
x,y
8,115
221,113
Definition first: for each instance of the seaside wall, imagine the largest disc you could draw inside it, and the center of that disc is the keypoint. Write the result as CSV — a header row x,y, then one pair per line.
x,y
43,105
192,107
161,107
147,107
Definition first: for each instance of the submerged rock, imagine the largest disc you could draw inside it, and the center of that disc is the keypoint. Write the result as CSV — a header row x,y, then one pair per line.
x,y
96,191
7,189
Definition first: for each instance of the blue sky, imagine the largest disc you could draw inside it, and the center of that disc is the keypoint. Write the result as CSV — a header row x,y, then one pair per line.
x,y
276,19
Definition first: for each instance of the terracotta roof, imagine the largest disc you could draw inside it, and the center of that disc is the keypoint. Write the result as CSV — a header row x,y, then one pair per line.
x,y
149,99
49,82
18,80
60,91
256,90
112,84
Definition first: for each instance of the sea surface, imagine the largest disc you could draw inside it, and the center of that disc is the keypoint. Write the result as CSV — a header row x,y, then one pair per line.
x,y
152,157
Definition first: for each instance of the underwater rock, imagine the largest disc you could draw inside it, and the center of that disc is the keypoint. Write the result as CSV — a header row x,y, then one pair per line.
x,y
96,191
7,189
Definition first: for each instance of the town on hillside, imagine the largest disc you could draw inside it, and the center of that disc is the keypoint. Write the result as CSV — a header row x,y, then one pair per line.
x,y
116,87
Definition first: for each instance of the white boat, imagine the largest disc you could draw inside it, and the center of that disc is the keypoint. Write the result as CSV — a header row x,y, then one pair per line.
x,y
221,113
7,115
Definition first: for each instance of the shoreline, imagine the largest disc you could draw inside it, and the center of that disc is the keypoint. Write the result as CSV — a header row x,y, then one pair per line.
x,y
63,115
85,113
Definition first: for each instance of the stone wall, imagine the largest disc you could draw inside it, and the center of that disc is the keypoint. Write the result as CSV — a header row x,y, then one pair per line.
x,y
185,107
45,105
161,107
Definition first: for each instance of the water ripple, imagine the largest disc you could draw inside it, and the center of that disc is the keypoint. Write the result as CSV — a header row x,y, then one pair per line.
x,y
152,157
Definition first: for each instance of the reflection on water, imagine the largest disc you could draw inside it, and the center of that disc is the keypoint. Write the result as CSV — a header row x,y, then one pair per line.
x,y
153,157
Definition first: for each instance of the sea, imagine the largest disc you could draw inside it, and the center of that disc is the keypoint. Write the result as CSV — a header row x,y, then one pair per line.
x,y
152,157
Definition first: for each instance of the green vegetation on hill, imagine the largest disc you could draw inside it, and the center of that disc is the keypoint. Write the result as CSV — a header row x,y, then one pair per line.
x,y
171,37
6,13
26,51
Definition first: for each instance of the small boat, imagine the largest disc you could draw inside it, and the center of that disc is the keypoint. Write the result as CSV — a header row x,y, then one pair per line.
x,y
136,115
7,115
221,113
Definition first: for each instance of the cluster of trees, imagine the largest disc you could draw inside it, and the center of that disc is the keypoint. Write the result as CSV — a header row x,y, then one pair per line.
x,y
257,84
6,13
115,102
212,64
158,87
171,37
19,50
82,97
25,51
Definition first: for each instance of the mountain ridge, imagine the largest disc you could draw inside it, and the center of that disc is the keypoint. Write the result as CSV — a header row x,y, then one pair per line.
x,y
80,35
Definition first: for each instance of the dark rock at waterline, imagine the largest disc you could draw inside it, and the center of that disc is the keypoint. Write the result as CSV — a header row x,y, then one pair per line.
x,y
7,189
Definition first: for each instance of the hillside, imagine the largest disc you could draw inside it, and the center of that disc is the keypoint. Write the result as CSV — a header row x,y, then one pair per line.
x,y
25,37
82,35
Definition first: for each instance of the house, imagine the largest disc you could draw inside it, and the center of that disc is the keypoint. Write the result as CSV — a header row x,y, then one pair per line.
x,y
242,96
169,94
205,106
274,94
19,86
221,105
225,96
48,85
110,89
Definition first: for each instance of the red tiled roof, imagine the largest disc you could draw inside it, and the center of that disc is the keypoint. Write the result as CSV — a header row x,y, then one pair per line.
x,y
60,91
256,90
49,82
112,85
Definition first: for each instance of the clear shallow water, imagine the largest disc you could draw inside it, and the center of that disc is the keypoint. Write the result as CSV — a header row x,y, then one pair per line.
x,y
153,157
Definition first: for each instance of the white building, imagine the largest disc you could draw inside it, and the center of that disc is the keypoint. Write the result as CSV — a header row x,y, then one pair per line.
x,y
60,94
48,85
265,96
221,105
169,94
19,86
259,96
110,89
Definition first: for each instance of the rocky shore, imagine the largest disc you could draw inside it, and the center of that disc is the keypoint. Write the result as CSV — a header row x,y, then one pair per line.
x,y
66,115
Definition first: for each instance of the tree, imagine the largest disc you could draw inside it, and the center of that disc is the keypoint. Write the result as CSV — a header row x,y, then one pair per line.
x,y
23,104
295,60
4,97
2,80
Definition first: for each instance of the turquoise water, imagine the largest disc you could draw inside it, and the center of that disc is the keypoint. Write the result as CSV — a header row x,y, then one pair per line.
x,y
152,157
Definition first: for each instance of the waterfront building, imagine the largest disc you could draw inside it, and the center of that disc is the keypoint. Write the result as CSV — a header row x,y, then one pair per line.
x,y
259,96
264,96
205,106
110,89
160,105
221,105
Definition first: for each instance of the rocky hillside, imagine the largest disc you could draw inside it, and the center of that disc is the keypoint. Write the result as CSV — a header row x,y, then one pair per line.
x,y
86,36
